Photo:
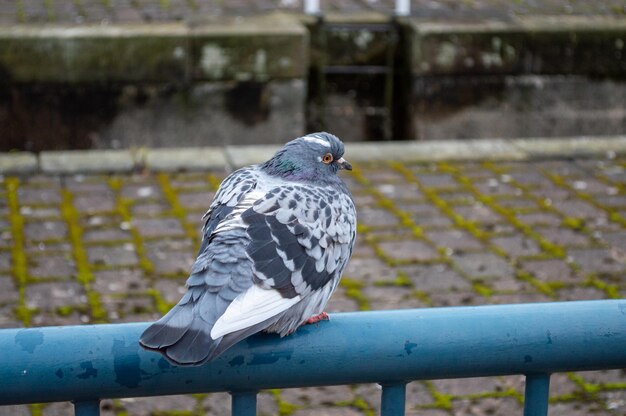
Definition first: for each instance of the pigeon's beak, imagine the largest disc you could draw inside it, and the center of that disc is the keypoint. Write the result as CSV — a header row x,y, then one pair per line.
x,y
343,164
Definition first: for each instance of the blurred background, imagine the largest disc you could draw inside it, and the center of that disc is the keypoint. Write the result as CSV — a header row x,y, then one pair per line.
x,y
82,74
109,236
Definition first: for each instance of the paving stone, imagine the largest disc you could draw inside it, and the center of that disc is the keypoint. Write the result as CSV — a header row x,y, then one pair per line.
x,y
409,250
391,297
52,265
48,296
561,384
266,405
198,200
112,255
88,184
171,290
6,239
399,191
369,270
435,278
15,410
525,176
614,201
40,212
564,236
462,298
383,175
437,180
58,409
158,227
138,191
580,293
427,412
417,394
39,196
92,204
493,186
5,261
466,386
517,203
552,270
328,411
479,213
506,299
510,285
339,302
614,401
131,308
121,281
516,245
363,199
487,406
578,209
377,217
145,406
574,409
589,185
217,404
539,218
8,290
458,197
597,260
454,239
45,230
98,235
316,396
604,376
483,265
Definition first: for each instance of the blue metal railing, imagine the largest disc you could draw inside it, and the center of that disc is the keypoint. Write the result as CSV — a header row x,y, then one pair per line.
x,y
84,364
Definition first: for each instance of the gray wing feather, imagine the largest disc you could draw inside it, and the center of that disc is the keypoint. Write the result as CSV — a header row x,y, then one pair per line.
x,y
220,273
294,239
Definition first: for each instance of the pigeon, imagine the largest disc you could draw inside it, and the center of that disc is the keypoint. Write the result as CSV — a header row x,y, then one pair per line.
x,y
276,240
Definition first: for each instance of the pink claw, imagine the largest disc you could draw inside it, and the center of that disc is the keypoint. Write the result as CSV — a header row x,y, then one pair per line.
x,y
315,319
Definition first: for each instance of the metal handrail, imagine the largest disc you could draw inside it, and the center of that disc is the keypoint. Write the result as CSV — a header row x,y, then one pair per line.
x,y
87,363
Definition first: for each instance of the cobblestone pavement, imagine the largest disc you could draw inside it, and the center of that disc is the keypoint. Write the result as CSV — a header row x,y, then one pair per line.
x,y
136,11
117,248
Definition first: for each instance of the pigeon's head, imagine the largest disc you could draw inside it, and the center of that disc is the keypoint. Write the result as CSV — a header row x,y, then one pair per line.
x,y
314,157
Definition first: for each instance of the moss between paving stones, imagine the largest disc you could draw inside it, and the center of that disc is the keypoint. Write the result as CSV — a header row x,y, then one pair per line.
x,y
19,259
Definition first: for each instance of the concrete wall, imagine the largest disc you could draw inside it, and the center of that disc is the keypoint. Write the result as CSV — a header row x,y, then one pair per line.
x,y
237,80
534,77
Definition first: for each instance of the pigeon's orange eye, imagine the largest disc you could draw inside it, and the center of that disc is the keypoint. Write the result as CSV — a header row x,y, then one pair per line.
x,y
328,158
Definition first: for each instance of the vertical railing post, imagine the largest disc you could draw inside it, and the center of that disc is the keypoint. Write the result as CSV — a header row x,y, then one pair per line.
x,y
243,403
87,408
393,400
537,395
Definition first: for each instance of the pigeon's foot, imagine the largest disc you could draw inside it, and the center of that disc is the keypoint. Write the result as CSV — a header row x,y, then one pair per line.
x,y
315,319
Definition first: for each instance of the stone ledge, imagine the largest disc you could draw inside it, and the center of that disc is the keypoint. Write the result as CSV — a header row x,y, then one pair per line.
x,y
530,45
86,161
18,162
230,157
185,158
256,48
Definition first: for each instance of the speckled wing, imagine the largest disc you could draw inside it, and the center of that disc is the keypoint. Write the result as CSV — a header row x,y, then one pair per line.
x,y
301,238
221,272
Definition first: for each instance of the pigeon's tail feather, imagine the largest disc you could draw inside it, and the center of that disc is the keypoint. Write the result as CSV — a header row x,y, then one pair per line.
x,y
195,346
182,336
169,329
231,339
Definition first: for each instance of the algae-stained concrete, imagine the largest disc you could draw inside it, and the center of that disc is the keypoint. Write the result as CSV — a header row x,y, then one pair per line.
x,y
66,54
532,76
273,46
532,45
118,86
